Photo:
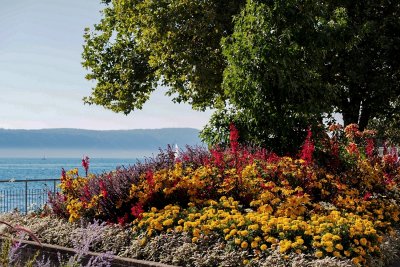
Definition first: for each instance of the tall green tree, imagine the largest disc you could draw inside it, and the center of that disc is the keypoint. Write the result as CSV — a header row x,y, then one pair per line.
x,y
292,62
363,65
273,67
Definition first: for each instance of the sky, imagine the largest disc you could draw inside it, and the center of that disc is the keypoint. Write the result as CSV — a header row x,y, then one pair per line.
x,y
42,81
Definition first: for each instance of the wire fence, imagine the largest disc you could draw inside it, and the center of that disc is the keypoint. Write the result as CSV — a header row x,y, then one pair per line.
x,y
26,195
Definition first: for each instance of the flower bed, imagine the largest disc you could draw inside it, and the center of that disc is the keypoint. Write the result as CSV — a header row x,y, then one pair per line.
x,y
337,199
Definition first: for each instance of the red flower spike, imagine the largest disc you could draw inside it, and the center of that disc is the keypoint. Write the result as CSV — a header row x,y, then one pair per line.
x,y
369,149
308,148
150,178
85,164
233,137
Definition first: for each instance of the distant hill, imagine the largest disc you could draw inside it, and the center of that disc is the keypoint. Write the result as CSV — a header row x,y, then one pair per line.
x,y
146,139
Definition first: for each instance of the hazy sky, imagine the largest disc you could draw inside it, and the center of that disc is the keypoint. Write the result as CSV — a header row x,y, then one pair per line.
x,y
42,81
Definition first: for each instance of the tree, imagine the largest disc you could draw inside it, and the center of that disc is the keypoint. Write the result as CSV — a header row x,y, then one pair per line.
x,y
275,68
272,77
140,42
292,62
363,66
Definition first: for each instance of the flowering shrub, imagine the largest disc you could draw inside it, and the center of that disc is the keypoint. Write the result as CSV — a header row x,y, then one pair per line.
x,y
338,199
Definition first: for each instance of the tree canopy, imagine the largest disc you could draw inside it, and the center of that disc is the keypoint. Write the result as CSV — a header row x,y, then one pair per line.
x,y
274,68
175,42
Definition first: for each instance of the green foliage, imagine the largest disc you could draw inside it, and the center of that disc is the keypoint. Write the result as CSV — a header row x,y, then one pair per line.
x,y
292,62
274,68
140,42
361,63
272,75
124,79
388,126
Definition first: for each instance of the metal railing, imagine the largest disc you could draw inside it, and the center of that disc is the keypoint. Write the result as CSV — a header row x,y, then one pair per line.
x,y
26,195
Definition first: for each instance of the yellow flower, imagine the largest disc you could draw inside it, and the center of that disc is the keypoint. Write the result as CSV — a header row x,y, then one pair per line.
x,y
319,254
329,249
244,233
195,239
337,254
168,222
263,247
244,245
339,246
363,241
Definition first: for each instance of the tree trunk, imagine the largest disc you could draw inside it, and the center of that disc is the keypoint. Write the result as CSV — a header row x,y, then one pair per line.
x,y
351,110
364,117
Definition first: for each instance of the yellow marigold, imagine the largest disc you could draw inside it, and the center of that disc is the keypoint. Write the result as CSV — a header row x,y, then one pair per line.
x,y
254,244
195,239
339,247
319,254
347,253
244,245
329,249
168,222
253,227
196,232
238,241
263,247
244,233
337,254
363,241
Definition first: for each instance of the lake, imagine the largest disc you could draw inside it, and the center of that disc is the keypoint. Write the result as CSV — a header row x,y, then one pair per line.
x,y
13,195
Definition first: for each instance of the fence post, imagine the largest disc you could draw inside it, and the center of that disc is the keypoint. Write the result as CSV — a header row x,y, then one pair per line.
x,y
54,188
26,196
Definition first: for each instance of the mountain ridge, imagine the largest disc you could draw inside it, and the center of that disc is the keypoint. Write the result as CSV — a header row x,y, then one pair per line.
x,y
99,139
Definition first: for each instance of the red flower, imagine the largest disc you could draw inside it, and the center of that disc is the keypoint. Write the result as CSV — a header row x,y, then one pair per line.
x,y
273,158
388,179
367,196
103,189
85,164
63,174
352,149
122,220
137,210
233,137
308,148
150,178
369,149
217,156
